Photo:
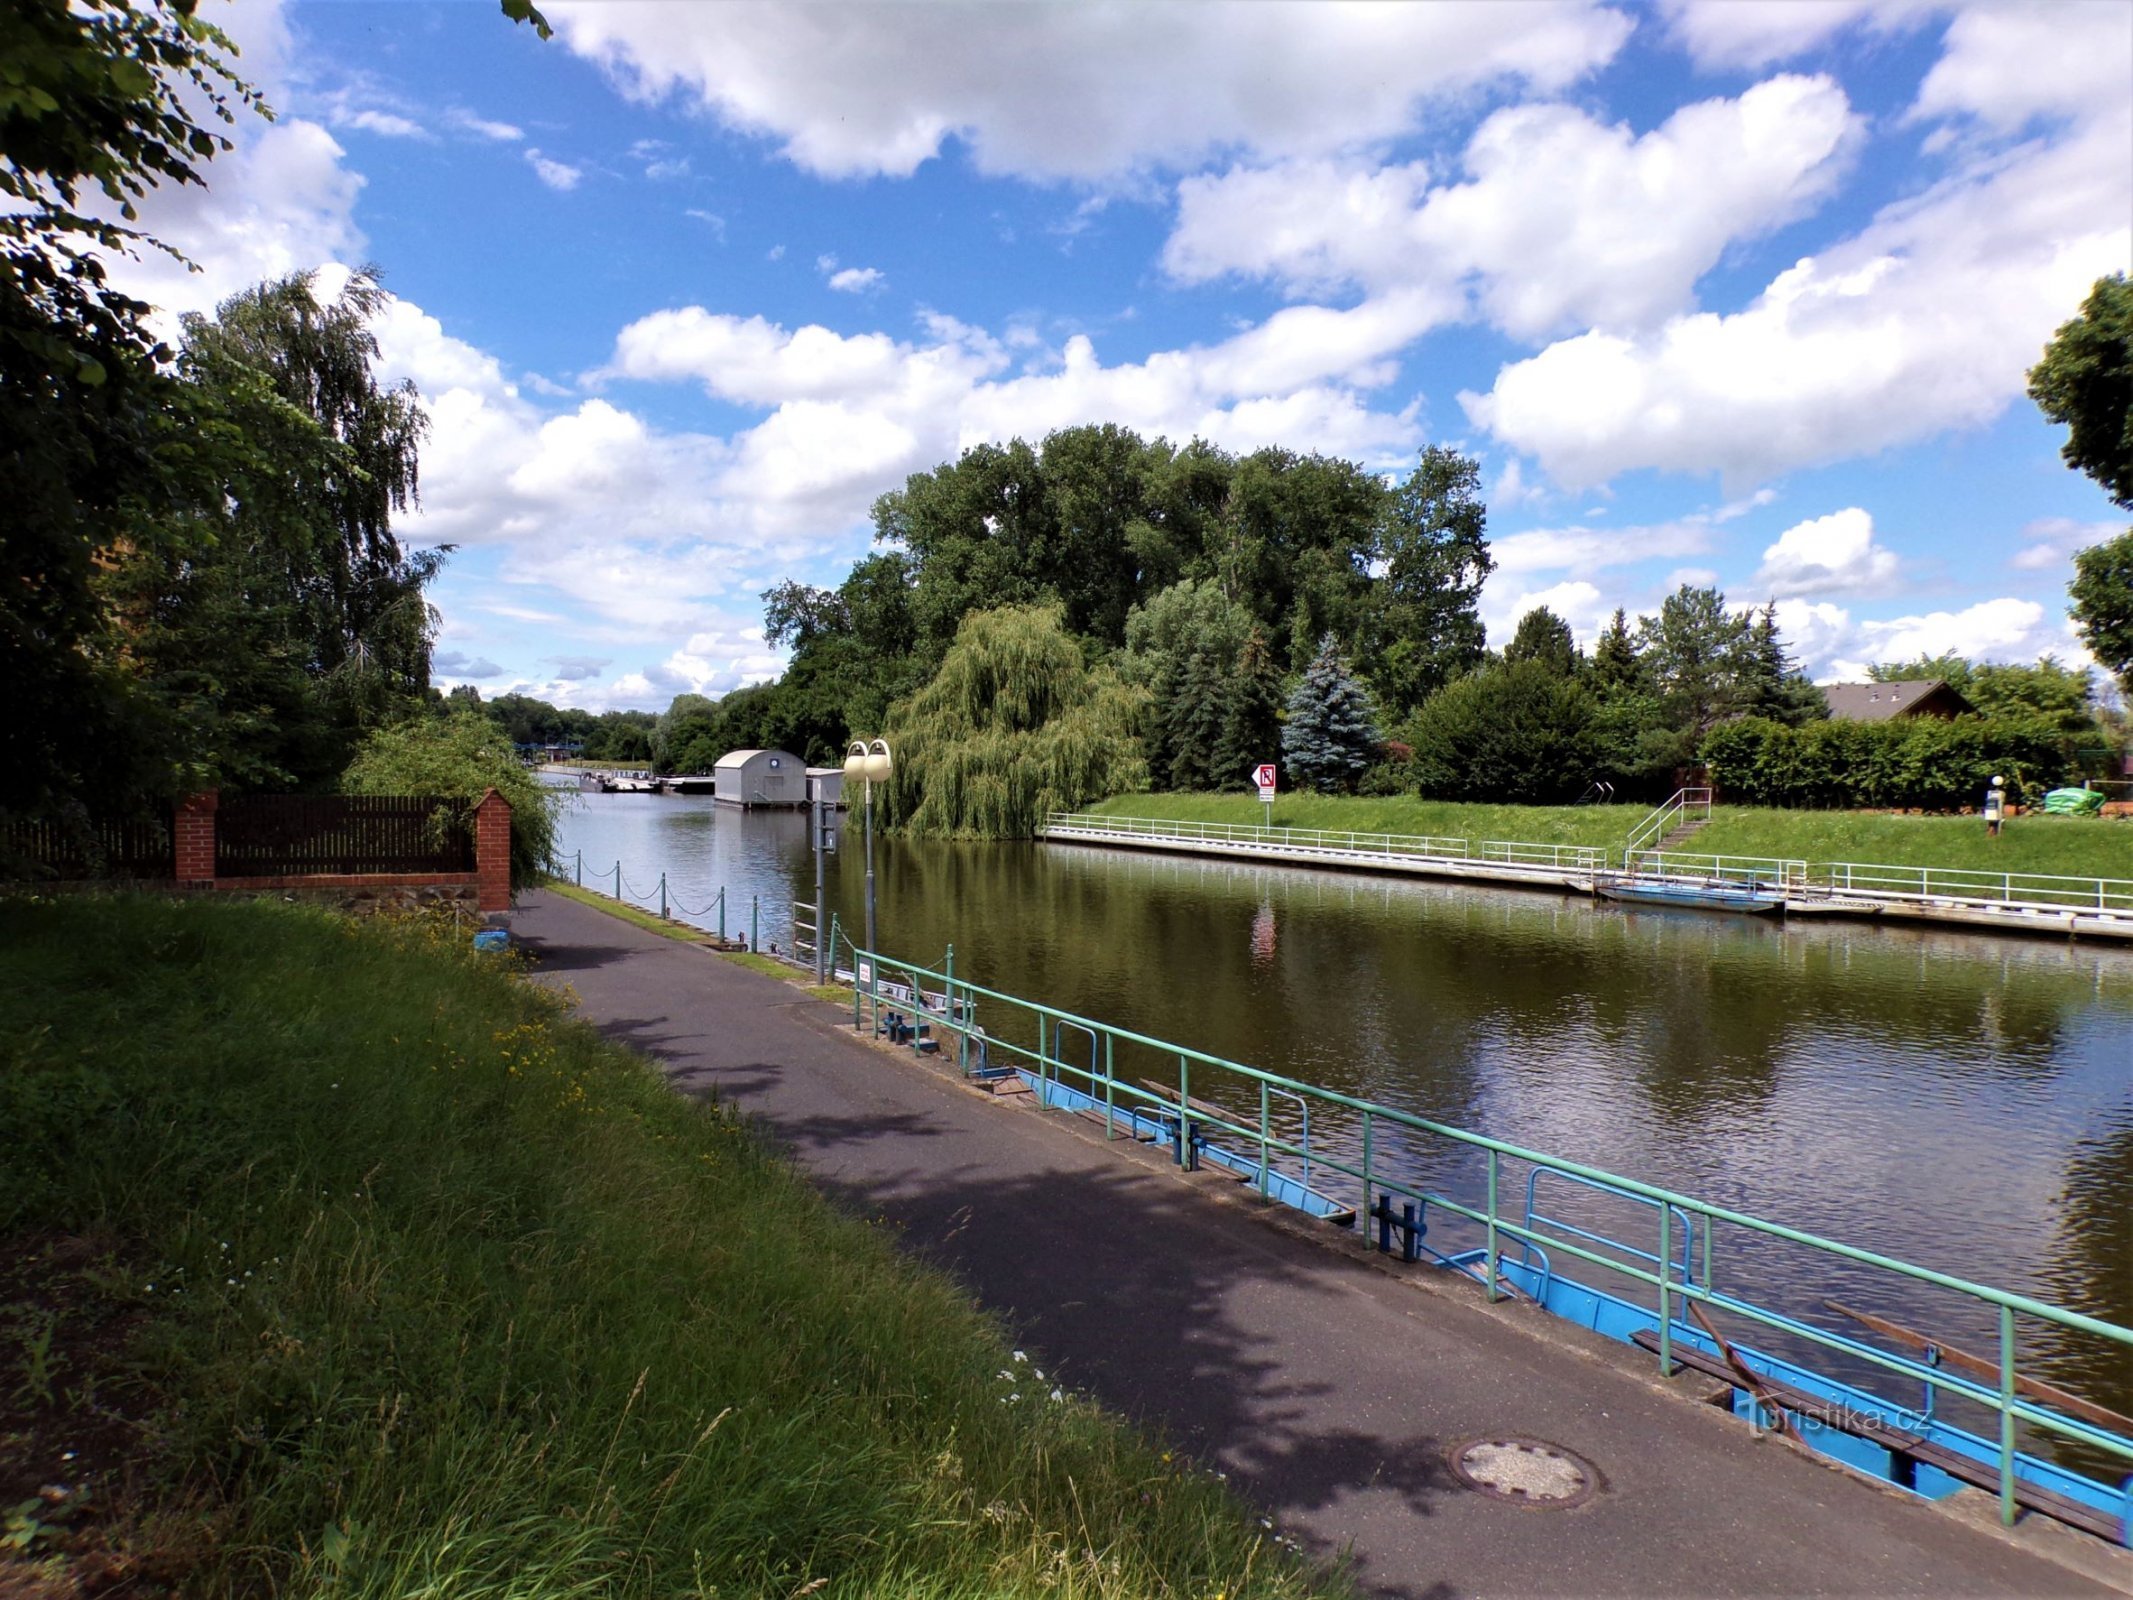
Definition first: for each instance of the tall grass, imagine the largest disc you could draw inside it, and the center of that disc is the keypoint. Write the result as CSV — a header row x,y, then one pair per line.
x,y
444,1296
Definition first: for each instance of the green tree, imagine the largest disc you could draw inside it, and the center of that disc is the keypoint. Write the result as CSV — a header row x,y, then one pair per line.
x,y
1616,668
2085,382
1251,723
1013,727
1331,735
2102,593
461,757
1519,731
1693,650
1769,682
1545,637
287,619
1425,625
110,99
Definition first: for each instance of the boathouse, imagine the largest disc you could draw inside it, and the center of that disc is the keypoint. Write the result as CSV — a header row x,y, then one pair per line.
x,y
759,778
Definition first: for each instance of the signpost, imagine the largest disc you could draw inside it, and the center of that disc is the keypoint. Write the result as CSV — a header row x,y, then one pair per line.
x,y
1264,775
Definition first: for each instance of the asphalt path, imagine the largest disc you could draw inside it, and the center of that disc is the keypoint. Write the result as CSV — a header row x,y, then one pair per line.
x,y
1328,1388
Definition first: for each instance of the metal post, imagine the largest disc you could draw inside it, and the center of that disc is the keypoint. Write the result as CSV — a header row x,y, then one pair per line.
x,y
662,896
579,877
1185,1150
872,947
1110,1090
618,880
1263,1130
2007,1417
821,904
722,916
1493,1160
948,999
1666,1310
755,923
1368,1129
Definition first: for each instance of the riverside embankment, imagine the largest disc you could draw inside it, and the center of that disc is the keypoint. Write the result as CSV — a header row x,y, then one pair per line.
x,y
1330,1389
341,1261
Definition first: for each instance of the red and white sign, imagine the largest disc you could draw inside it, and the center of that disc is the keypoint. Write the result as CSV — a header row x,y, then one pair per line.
x,y
1263,775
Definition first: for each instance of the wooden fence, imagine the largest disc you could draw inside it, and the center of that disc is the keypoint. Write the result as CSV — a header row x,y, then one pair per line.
x,y
80,852
282,835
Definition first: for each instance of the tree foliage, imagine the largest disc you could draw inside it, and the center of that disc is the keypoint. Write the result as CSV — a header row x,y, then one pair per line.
x,y
1925,762
1518,731
1014,726
462,756
98,102
1545,637
1331,734
2085,382
1425,626
2102,592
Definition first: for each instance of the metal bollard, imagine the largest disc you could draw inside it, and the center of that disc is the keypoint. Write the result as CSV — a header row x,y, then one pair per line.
x,y
755,923
662,897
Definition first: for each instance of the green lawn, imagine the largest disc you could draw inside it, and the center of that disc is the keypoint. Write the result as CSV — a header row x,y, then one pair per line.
x,y
2069,846
1595,825
426,1289
2080,847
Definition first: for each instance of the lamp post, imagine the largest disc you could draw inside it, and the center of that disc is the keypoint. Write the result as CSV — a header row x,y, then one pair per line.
x,y
866,760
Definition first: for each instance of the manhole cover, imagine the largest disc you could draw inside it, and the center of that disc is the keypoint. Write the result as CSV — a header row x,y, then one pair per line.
x,y
1527,1472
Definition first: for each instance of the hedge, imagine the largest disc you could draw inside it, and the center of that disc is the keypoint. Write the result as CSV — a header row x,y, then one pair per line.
x,y
1927,763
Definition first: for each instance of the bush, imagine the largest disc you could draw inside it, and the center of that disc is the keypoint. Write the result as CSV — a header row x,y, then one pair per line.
x,y
1927,763
462,756
1517,732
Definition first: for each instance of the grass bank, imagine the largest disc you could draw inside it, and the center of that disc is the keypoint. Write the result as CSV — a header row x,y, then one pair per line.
x,y
2081,847
1454,819
426,1289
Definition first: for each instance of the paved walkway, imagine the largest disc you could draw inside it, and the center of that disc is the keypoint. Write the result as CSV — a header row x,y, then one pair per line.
x,y
1328,1390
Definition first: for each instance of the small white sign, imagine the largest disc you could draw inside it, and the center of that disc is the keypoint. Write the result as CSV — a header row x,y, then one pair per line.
x,y
1264,775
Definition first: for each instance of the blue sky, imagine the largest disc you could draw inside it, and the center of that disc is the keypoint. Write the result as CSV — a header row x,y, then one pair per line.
x,y
1738,292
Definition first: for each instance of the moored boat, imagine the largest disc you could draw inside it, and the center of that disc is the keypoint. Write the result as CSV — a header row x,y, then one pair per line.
x,y
1691,894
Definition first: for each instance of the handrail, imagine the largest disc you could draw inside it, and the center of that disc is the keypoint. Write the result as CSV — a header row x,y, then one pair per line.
x,y
1661,822
1507,852
1501,1222
1887,881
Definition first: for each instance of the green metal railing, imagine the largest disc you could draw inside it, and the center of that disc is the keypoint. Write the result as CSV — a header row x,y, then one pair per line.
x,y
1503,852
1677,1273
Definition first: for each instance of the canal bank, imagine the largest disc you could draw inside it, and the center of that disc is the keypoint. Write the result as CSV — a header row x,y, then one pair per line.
x,y
1330,1390
1996,903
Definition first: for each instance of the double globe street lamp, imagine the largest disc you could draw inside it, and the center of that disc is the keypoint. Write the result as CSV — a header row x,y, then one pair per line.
x,y
866,760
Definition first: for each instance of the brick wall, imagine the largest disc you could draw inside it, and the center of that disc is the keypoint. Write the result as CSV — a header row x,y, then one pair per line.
x,y
193,841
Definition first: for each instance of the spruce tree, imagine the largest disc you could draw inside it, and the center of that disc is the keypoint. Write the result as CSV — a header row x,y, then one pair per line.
x,y
1330,736
1251,726
1195,721
1615,667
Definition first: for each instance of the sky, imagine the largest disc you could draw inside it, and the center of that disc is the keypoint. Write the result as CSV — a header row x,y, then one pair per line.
x,y
1717,291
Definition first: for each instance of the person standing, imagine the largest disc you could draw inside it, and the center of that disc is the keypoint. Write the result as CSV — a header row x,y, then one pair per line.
x,y
1995,805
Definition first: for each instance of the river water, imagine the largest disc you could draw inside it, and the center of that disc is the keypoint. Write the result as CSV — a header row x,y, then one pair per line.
x,y
1960,1101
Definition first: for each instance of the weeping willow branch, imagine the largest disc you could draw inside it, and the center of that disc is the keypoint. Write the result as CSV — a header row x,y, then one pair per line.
x,y
1012,727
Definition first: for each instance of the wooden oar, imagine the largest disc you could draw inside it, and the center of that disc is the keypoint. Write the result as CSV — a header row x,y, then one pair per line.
x,y
1981,1367
1750,1379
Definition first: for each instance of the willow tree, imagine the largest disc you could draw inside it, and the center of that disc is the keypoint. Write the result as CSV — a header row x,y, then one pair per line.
x,y
1014,726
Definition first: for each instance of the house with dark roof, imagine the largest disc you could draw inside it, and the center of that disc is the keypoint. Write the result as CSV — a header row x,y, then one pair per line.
x,y
1884,702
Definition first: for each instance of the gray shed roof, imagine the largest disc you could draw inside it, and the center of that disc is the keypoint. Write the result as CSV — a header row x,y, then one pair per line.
x,y
1878,702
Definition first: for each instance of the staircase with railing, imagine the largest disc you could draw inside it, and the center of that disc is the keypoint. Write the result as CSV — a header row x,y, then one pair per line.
x,y
1688,810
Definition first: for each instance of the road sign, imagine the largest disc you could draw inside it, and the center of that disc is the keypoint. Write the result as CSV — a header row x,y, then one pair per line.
x,y
1263,775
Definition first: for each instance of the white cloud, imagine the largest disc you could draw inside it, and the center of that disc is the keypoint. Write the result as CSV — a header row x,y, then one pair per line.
x,y
856,280
556,174
389,123
1925,321
2050,542
1835,647
2006,65
1564,220
1755,33
458,664
482,127
1081,92
1577,602
1827,555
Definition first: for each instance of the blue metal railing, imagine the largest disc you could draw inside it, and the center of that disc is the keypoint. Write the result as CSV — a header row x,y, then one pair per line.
x,y
1678,1272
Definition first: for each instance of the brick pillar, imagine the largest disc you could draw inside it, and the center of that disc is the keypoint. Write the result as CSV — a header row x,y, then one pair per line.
x,y
193,839
492,851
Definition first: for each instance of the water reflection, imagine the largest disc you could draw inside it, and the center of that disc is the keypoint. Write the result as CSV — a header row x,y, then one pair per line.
x,y
1960,1101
